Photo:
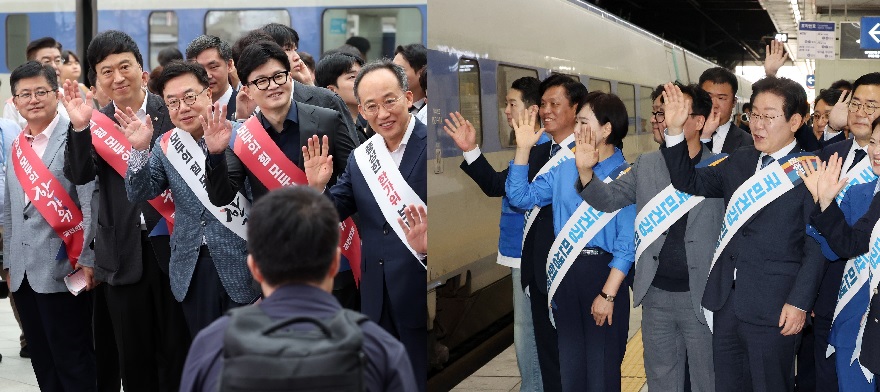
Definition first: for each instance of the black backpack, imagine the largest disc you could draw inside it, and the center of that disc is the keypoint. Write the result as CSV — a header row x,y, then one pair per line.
x,y
262,355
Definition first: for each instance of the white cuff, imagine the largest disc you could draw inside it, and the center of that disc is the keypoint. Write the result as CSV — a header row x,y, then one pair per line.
x,y
672,140
472,155
830,133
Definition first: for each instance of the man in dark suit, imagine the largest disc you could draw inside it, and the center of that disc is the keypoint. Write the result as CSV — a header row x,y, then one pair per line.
x,y
393,280
720,133
765,280
148,323
215,56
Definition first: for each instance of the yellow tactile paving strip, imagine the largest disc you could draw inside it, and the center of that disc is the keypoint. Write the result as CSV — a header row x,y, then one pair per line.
x,y
632,370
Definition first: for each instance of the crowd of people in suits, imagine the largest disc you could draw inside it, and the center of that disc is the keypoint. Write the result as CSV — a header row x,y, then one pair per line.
x,y
750,249
127,211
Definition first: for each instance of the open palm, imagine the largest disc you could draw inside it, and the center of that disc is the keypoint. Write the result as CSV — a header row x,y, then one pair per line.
x,y
137,132
79,112
317,162
217,129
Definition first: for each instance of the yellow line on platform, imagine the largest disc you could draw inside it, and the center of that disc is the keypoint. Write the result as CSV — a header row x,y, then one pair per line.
x,y
632,370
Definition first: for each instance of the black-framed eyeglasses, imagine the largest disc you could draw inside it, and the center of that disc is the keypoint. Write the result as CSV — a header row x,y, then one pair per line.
x,y
189,99
389,103
870,108
26,96
762,118
819,116
660,116
264,82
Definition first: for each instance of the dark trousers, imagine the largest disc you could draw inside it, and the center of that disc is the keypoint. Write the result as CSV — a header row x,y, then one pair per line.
x,y
826,371
151,333
589,355
106,352
546,341
346,291
206,300
414,340
57,327
751,357
805,376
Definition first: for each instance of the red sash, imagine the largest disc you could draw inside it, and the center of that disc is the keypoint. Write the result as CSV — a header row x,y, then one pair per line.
x,y
114,148
48,197
263,158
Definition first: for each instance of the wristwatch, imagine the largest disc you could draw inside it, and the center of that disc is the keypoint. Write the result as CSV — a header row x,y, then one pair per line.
x,y
609,298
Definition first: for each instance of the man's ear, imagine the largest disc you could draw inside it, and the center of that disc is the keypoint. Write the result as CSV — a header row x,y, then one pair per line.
x,y
333,88
701,121
795,122
255,270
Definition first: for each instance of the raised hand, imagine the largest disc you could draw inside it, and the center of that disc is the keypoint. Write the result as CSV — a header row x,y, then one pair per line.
x,y
524,127
677,108
586,152
830,183
217,129
775,58
839,113
711,125
317,162
138,133
244,105
461,131
811,177
78,110
416,228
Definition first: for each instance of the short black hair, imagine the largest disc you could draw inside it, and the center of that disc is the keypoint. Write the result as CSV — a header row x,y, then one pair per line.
x,y
423,80
92,77
112,42
347,49
179,68
205,42
283,35
293,235
67,54
842,84
701,101
246,40
608,108
307,59
32,69
530,88
258,54
397,70
168,55
793,95
876,123
360,43
829,95
872,78
719,75
575,91
415,54
40,43
747,106
331,67
658,91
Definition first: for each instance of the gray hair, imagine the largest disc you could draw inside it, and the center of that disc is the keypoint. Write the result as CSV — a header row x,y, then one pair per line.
x,y
376,65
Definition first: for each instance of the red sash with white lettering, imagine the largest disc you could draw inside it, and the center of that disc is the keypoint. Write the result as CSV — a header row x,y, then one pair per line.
x,y
49,197
112,146
265,160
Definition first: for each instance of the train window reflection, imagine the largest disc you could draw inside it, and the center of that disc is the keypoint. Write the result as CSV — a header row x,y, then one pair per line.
x,y
163,34
230,25
599,85
506,76
384,28
645,110
469,94
627,94
17,37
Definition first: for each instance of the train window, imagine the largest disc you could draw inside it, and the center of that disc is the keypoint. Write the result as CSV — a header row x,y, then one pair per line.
x,y
469,94
645,110
384,28
506,76
17,37
627,94
163,34
230,25
599,85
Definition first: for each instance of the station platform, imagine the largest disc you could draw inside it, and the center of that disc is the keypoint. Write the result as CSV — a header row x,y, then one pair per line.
x,y
16,373
502,373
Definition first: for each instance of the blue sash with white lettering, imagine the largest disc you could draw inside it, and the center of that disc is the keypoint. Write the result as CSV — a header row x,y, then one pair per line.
x,y
763,187
664,209
580,228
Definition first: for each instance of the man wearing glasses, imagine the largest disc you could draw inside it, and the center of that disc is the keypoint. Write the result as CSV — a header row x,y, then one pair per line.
x,y
386,176
46,51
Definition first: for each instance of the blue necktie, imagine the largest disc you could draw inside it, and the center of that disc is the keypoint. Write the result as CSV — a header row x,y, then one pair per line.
x,y
554,149
766,160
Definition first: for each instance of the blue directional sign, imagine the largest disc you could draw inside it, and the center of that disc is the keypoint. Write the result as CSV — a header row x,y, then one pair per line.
x,y
811,81
870,37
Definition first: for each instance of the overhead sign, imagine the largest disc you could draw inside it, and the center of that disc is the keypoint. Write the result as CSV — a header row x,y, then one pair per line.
x,y
851,42
870,33
816,40
811,81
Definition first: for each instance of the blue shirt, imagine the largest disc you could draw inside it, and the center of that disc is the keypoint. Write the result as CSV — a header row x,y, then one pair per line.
x,y
513,223
557,186
387,365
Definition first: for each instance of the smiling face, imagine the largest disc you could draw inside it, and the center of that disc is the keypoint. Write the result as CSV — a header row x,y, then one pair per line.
x,y
557,113
36,109
274,97
820,118
122,79
378,88
52,57
186,117
218,71
860,121
657,127
587,121
771,135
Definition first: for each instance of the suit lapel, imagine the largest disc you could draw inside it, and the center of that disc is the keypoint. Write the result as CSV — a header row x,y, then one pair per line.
x,y
298,93
58,137
414,150
230,106
308,126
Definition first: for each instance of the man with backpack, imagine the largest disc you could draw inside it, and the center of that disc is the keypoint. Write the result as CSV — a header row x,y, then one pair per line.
x,y
299,337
